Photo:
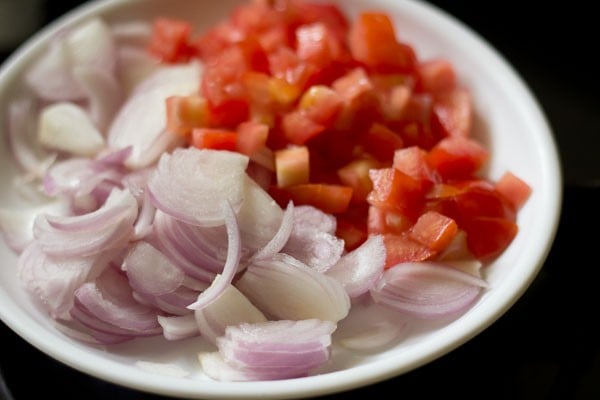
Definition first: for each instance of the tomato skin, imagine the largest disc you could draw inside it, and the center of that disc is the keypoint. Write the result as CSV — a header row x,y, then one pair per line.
x,y
372,41
252,137
457,158
330,198
514,189
184,113
402,248
434,230
489,237
216,139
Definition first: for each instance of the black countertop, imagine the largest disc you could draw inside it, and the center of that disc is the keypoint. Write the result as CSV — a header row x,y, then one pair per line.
x,y
547,345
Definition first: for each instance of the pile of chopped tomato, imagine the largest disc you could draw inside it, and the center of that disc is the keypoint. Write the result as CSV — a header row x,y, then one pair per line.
x,y
344,116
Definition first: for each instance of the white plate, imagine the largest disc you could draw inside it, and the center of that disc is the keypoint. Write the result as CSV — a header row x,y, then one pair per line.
x,y
509,121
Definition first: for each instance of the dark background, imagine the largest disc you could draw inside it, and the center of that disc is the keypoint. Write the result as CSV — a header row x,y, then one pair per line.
x,y
547,345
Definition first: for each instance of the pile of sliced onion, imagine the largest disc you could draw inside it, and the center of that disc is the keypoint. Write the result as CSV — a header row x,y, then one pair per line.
x,y
131,235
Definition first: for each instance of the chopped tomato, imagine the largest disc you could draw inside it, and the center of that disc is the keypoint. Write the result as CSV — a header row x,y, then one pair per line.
x,y
184,113
457,157
452,113
252,137
514,189
434,230
170,40
356,175
292,166
342,115
334,199
216,139
402,248
381,142
373,42
436,76
487,237
394,190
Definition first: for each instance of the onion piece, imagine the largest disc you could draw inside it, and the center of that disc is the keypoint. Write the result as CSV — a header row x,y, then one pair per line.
x,y
358,270
278,240
230,308
371,327
141,121
54,280
188,183
109,227
110,306
178,327
222,281
295,291
427,290
149,271
103,93
270,350
68,128
313,239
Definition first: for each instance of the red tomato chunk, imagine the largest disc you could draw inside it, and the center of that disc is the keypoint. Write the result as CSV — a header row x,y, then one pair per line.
x,y
344,116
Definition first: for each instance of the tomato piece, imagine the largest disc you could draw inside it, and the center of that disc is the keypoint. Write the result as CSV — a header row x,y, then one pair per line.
x,y
413,162
321,104
457,158
514,189
330,198
216,139
252,137
381,142
351,233
436,76
184,113
393,189
386,221
292,166
452,113
170,40
372,41
488,237
434,230
298,127
402,248
356,175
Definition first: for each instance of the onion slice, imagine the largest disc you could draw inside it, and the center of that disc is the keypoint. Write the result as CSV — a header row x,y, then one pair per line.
x,y
188,183
427,290
295,291
270,350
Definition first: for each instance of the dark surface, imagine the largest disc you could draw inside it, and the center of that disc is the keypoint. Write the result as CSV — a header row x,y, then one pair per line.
x,y
546,346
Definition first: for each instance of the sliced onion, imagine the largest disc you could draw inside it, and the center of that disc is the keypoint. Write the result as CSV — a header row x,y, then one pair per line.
x,y
178,327
54,280
358,270
134,66
109,306
371,327
278,240
270,350
230,308
295,291
189,183
109,227
67,127
141,121
224,279
103,93
427,290
150,272
313,240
